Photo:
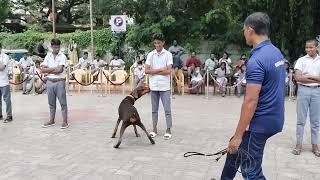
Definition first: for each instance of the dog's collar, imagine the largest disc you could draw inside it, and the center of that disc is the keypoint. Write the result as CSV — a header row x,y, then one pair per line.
x,y
131,97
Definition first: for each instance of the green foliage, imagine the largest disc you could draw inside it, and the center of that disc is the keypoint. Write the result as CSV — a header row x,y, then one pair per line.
x,y
35,27
103,39
192,47
25,40
188,21
4,9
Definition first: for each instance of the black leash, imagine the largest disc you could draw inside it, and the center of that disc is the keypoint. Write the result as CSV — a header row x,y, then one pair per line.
x,y
220,153
242,156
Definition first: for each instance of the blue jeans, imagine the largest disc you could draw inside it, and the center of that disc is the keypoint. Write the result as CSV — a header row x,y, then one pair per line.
x,y
254,144
308,100
6,95
166,102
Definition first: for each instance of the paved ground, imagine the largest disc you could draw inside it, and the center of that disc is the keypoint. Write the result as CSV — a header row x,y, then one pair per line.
x,y
84,151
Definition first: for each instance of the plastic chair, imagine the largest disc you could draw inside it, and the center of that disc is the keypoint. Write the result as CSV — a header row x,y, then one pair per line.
x,y
118,77
78,74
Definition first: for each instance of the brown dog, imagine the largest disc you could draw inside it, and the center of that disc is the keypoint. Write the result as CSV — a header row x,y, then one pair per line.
x,y
129,114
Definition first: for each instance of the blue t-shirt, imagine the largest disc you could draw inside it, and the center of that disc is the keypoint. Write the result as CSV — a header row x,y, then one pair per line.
x,y
266,67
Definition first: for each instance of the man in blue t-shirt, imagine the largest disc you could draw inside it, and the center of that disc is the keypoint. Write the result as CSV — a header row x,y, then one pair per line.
x,y
262,112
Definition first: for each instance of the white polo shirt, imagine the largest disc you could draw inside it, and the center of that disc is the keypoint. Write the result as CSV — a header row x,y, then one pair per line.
x,y
309,66
84,63
51,62
139,71
4,79
156,61
25,62
99,63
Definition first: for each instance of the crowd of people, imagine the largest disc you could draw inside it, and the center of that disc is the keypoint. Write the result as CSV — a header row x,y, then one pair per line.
x,y
222,71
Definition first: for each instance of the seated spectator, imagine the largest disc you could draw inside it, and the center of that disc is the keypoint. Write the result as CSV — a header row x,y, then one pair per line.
x,y
117,63
197,82
240,76
138,74
84,62
192,63
225,58
39,85
25,64
177,70
97,64
241,61
212,63
222,73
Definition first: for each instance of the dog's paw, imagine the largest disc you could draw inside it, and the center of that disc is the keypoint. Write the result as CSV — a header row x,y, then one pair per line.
x,y
138,135
152,142
113,136
116,146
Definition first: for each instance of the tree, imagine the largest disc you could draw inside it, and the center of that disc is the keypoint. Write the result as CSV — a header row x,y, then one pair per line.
x,y
72,10
4,9
68,11
192,21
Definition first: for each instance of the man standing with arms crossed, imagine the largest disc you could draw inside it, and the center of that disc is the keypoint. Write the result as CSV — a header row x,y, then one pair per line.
x,y
53,65
307,74
158,67
262,112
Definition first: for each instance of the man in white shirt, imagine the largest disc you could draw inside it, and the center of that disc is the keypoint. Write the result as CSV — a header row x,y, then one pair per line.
x,y
84,62
138,73
158,67
117,63
53,65
307,74
39,85
4,86
212,63
97,64
25,63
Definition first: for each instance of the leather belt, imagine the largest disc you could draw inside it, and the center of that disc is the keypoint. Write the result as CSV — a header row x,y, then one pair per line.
x,y
56,79
317,86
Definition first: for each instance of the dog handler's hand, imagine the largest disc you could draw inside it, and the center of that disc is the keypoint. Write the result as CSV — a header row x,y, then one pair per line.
x,y
234,145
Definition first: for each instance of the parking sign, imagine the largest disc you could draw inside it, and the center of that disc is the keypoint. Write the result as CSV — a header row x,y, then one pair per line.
x,y
118,23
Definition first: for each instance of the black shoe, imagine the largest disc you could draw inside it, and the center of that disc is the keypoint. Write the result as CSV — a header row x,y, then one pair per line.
x,y
8,119
65,125
48,124
1,117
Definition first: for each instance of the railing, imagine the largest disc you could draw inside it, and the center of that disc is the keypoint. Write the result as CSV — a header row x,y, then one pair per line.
x,y
103,81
